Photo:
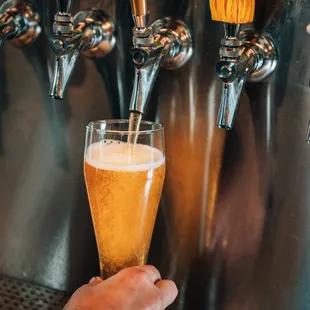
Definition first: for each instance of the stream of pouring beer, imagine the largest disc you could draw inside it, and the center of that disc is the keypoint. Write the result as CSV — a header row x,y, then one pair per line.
x,y
134,126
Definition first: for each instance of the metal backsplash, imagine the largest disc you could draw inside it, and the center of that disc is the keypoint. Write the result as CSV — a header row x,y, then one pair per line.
x,y
233,227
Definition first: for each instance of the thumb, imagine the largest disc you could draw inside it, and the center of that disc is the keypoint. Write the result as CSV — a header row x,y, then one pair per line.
x,y
169,292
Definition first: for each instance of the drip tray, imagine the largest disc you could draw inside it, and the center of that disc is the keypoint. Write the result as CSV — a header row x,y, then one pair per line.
x,y
18,295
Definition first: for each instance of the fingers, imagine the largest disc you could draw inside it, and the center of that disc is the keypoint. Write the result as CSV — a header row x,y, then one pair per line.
x,y
138,274
152,273
132,288
168,292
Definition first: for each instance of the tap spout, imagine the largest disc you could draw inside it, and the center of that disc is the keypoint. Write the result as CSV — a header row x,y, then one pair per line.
x,y
145,76
234,75
67,50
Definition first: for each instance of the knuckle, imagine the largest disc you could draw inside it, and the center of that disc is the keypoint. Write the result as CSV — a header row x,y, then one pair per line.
x,y
140,275
135,275
153,269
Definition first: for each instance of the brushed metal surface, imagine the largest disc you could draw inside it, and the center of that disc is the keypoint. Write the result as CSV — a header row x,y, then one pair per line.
x,y
233,233
46,234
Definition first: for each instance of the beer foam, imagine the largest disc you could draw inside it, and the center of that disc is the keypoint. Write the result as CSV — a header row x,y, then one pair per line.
x,y
114,155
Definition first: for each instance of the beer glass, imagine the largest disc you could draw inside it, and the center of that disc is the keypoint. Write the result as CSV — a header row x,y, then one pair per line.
x,y
124,184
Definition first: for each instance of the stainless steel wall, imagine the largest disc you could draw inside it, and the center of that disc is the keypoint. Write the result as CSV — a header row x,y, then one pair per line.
x,y
233,227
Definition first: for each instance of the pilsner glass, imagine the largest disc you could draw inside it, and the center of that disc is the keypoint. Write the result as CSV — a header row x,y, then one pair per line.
x,y
124,184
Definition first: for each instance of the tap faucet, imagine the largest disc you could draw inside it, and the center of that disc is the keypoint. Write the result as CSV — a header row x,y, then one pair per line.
x,y
165,43
244,57
90,33
18,23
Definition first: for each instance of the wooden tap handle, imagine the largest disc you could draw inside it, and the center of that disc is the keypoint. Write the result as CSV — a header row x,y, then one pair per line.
x,y
232,11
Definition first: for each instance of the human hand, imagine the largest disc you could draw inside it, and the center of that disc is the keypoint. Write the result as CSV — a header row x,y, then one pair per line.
x,y
134,288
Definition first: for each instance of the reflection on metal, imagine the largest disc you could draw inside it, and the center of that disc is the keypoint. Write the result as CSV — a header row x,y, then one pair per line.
x,y
18,23
244,57
90,33
140,13
233,228
308,133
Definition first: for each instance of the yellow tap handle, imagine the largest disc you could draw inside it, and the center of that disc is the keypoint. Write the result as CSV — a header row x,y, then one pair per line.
x,y
232,11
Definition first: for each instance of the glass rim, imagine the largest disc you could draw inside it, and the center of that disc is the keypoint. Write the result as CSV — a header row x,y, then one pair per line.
x,y
89,127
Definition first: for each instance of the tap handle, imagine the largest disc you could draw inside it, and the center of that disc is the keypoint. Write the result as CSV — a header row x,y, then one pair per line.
x,y
140,13
139,7
232,11
64,6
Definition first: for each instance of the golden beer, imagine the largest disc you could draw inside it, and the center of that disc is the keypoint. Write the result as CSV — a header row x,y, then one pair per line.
x,y
124,190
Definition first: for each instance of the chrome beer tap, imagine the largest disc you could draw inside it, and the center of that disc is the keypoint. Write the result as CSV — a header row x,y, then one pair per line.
x,y
90,33
244,57
18,23
166,43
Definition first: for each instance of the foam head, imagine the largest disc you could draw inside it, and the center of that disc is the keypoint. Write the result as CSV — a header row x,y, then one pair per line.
x,y
115,155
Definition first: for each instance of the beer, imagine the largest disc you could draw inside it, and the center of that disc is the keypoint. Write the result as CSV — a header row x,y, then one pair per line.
x,y
124,190
135,119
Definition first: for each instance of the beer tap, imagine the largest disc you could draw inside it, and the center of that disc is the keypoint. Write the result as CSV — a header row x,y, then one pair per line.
x,y
166,43
90,33
18,23
245,56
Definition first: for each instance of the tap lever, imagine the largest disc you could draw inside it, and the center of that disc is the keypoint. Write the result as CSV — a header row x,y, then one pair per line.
x,y
64,7
140,13
139,7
